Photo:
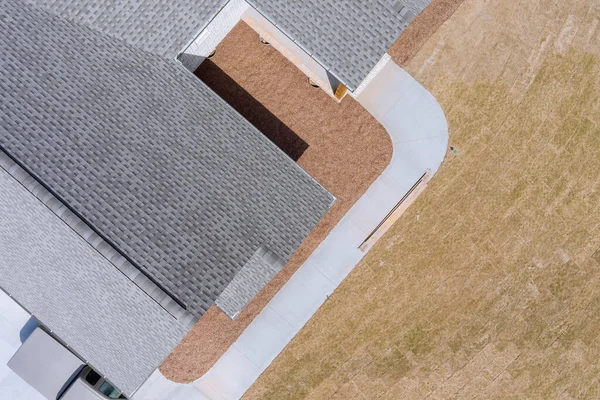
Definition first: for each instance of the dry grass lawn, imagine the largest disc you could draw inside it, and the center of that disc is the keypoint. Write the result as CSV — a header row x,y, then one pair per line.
x,y
489,286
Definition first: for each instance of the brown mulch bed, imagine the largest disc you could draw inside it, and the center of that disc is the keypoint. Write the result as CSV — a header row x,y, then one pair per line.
x,y
341,145
421,29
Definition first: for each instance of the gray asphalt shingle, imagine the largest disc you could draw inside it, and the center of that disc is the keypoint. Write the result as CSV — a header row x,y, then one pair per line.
x,y
95,106
347,36
147,155
160,27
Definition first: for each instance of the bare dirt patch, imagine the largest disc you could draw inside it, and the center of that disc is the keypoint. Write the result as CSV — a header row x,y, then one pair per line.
x,y
341,145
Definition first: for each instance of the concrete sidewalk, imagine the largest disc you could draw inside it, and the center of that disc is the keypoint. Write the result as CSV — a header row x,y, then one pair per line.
x,y
419,133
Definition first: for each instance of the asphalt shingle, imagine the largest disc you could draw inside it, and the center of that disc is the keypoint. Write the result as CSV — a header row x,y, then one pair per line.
x,y
147,155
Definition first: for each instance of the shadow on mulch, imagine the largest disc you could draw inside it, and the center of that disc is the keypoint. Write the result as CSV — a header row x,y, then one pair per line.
x,y
259,116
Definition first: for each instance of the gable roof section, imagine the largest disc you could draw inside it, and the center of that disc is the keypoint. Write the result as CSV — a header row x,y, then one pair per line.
x,y
157,26
89,304
348,37
147,155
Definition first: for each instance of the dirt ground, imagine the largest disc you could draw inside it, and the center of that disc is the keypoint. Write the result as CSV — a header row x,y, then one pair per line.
x,y
341,145
487,287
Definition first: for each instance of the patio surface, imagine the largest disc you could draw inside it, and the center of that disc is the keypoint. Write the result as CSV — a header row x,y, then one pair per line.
x,y
487,286
341,145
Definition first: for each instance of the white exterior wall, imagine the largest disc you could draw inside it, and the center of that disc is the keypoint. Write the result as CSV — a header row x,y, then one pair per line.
x,y
294,53
213,34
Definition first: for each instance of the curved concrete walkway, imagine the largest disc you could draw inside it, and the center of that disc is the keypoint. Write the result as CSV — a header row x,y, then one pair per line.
x,y
419,132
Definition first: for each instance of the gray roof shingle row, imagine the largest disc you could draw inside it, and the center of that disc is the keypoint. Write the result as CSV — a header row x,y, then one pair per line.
x,y
146,154
93,239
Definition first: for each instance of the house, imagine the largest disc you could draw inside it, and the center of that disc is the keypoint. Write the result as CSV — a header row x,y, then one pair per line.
x,y
132,197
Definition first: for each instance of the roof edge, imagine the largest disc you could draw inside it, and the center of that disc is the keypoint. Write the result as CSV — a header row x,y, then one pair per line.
x,y
86,231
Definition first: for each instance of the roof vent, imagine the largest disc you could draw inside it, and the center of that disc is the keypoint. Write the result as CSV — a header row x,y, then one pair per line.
x,y
399,7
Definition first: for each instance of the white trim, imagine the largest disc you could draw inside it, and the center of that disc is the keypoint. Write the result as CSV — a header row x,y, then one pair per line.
x,y
378,67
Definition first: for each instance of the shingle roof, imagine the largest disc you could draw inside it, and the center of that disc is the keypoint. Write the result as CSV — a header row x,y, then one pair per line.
x,y
347,36
160,27
52,272
82,229
150,157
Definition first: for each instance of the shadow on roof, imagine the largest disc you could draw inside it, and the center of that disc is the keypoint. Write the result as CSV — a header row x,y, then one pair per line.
x,y
251,109
28,329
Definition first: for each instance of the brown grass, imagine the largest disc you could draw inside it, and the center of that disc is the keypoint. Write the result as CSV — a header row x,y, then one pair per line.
x,y
487,287
340,145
